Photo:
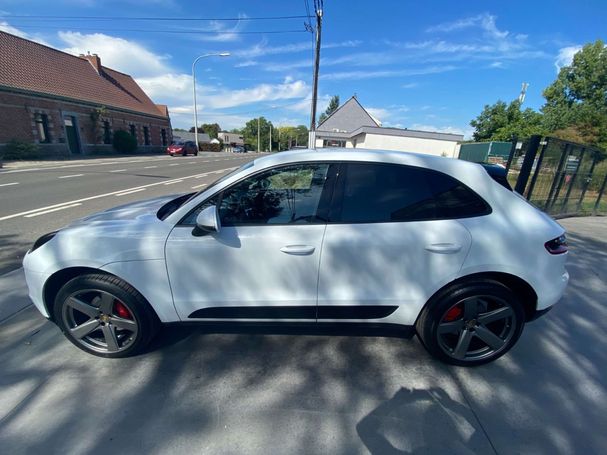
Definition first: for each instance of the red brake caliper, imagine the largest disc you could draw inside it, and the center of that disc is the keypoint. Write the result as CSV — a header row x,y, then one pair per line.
x,y
121,310
453,314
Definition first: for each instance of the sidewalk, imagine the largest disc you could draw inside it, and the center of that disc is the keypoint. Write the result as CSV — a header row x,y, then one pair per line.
x,y
20,164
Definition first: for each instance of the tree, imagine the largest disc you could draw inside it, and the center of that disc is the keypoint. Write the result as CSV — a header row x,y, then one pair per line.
x,y
249,133
291,136
576,102
500,121
212,129
332,107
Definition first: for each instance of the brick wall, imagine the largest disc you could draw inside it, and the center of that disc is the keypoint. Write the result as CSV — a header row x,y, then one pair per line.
x,y
18,113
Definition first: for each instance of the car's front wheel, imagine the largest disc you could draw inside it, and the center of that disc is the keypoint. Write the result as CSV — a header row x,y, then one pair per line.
x,y
471,323
104,316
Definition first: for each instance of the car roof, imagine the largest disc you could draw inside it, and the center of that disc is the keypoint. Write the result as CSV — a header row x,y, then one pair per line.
x,y
357,154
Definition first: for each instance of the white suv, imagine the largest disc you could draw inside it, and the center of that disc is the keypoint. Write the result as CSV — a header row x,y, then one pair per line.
x,y
327,236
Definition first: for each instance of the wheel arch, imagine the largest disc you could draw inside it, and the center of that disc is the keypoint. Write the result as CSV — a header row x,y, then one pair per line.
x,y
58,279
516,284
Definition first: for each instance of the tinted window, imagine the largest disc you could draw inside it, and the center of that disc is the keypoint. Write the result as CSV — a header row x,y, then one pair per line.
x,y
376,193
284,195
454,199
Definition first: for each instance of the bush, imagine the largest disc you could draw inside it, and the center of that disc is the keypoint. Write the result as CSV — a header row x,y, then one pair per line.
x,y
210,147
18,150
124,142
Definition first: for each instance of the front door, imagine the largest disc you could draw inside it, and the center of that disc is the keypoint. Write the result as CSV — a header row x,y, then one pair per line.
x,y
71,131
263,263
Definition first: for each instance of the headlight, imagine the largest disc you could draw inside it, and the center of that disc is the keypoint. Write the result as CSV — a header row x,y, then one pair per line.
x,y
42,240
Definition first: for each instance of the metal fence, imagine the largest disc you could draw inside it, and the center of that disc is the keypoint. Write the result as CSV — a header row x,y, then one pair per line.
x,y
560,177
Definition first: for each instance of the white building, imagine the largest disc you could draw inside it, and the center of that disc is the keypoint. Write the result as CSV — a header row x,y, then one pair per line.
x,y
352,126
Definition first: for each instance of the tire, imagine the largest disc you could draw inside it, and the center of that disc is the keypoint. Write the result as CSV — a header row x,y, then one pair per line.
x,y
105,316
472,323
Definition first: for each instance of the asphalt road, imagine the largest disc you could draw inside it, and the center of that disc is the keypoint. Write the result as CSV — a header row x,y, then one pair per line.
x,y
266,392
42,197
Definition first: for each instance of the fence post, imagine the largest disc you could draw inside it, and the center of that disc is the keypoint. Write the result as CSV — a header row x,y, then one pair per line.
x,y
512,153
573,179
523,177
555,189
537,169
598,199
595,158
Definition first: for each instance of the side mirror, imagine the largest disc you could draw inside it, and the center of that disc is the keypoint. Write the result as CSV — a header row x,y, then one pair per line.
x,y
207,221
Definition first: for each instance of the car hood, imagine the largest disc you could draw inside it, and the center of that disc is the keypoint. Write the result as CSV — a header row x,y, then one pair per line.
x,y
129,212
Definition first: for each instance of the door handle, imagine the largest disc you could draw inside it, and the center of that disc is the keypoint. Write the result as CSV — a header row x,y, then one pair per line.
x,y
298,250
444,248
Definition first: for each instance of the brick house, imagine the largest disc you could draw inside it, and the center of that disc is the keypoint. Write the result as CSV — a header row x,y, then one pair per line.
x,y
72,105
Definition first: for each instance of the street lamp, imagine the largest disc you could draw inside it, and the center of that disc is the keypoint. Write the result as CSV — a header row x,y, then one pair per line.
x,y
219,54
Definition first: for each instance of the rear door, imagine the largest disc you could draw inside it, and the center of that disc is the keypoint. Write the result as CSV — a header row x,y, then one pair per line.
x,y
392,239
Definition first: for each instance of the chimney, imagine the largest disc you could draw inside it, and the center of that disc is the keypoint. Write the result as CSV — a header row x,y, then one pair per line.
x,y
95,61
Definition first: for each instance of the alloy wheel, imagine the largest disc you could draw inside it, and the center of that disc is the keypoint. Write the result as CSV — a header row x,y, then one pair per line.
x,y
476,328
99,321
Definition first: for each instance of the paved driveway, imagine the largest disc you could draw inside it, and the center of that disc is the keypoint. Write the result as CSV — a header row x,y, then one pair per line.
x,y
268,392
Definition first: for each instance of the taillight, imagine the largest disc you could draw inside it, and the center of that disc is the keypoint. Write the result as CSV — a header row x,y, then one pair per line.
x,y
557,246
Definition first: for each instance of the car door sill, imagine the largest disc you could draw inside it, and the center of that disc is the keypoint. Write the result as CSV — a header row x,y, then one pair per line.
x,y
303,312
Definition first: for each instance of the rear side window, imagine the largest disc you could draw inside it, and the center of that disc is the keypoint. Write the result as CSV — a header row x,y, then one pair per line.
x,y
381,193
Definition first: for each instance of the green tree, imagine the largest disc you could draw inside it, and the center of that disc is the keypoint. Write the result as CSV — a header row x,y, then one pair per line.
x,y
249,133
576,102
212,129
291,136
500,121
332,107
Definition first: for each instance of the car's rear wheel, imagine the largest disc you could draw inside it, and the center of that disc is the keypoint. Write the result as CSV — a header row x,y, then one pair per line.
x,y
104,316
471,323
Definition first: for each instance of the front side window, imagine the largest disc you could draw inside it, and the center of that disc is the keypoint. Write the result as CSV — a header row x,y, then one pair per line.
x,y
288,195
42,127
383,193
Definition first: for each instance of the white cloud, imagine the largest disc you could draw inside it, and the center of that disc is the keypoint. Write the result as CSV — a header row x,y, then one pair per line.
x,y
410,85
467,132
565,56
6,27
224,33
497,65
358,75
245,64
261,49
117,53
304,106
484,21
289,89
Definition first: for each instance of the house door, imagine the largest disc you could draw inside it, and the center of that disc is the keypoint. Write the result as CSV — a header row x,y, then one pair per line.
x,y
71,132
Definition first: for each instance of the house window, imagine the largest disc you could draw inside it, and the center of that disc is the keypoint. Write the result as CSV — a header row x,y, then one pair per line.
x,y
42,128
133,130
107,134
146,135
333,143
163,134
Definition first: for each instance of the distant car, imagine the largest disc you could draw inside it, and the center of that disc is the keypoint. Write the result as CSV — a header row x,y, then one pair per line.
x,y
182,148
327,236
239,149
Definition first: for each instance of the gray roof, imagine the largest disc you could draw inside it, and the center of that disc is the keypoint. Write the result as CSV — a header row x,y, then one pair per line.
x,y
347,117
391,132
186,136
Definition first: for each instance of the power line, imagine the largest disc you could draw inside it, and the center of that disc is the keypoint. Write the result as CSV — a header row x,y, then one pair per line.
x,y
151,18
206,32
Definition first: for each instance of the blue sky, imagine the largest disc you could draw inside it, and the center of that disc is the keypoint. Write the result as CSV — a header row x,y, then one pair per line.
x,y
417,65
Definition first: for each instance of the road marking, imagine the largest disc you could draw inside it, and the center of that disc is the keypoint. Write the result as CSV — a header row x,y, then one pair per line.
x,y
70,176
175,164
90,198
174,181
9,184
130,192
199,186
31,215
119,170
150,167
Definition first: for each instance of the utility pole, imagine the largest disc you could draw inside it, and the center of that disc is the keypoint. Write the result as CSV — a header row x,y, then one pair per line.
x,y
318,9
258,135
270,137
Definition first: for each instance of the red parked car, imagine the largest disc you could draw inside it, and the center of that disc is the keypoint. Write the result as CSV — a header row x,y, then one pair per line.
x,y
182,148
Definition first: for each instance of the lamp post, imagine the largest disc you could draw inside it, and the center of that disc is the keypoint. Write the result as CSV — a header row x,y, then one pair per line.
x,y
219,54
